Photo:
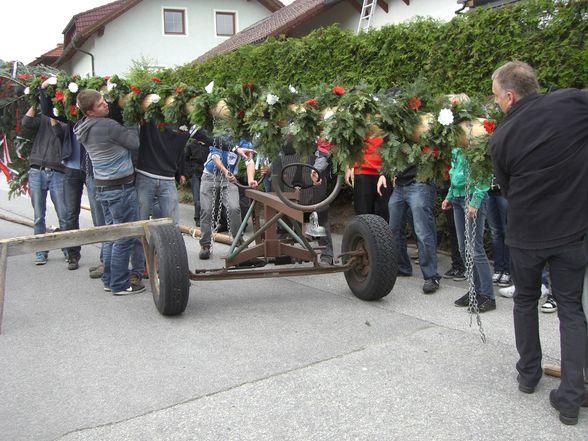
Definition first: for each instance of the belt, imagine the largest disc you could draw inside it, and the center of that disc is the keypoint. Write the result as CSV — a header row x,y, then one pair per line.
x,y
114,187
38,167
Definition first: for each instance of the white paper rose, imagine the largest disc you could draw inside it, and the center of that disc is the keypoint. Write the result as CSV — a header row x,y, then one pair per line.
x,y
73,87
272,99
55,112
209,87
445,117
111,86
52,80
328,114
27,90
155,99
292,89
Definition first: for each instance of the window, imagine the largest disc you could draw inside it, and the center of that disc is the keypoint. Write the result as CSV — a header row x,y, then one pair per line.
x,y
174,22
225,24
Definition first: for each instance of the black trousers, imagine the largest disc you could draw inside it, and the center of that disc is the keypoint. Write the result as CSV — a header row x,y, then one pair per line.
x,y
567,266
366,199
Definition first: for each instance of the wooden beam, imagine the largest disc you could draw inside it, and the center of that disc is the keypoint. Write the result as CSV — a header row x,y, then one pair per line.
x,y
64,239
382,4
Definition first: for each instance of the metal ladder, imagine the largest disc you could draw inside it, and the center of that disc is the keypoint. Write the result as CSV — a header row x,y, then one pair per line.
x,y
365,18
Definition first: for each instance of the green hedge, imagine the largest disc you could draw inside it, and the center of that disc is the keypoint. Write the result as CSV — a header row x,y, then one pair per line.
x,y
459,55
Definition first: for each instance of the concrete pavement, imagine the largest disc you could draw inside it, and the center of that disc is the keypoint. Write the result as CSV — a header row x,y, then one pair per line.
x,y
269,359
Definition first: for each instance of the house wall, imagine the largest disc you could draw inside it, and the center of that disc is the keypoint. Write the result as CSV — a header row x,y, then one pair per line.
x,y
348,17
139,33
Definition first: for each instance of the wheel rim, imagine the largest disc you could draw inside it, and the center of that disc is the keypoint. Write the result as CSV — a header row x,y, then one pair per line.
x,y
361,269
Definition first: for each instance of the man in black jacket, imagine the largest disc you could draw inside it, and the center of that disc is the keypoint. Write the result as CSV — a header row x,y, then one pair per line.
x,y
540,156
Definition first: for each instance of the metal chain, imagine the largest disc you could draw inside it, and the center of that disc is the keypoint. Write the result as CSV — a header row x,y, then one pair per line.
x,y
469,245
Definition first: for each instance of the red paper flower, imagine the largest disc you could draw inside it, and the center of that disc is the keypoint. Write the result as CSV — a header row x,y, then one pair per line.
x,y
155,80
72,110
489,126
311,102
454,103
59,96
178,90
135,89
435,152
414,103
240,114
338,90
248,86
106,77
43,77
161,125
23,76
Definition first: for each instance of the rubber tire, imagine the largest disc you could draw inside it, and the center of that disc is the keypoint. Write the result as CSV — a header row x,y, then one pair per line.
x,y
381,253
170,284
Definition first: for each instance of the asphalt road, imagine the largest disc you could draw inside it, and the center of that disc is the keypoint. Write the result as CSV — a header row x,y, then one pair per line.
x,y
276,359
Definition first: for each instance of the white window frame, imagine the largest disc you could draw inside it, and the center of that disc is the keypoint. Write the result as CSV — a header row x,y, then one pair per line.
x,y
226,11
174,8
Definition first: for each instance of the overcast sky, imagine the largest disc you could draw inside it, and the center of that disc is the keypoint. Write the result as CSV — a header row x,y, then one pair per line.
x,y
29,29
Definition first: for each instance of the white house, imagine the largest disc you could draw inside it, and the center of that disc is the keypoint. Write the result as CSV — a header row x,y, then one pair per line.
x,y
105,40
303,16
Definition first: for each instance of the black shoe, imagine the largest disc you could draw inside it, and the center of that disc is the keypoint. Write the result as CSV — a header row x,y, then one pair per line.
x,y
204,252
403,274
460,276
133,289
454,273
73,263
463,300
523,387
566,419
486,304
430,286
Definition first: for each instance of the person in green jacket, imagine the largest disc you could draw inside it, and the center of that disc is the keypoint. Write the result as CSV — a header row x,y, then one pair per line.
x,y
469,211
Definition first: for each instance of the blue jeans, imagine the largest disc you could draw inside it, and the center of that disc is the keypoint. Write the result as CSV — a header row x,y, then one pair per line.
x,y
419,198
150,190
41,182
120,206
73,187
481,266
497,222
195,182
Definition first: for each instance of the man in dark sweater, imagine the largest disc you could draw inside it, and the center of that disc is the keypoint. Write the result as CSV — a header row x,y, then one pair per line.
x,y
46,173
540,156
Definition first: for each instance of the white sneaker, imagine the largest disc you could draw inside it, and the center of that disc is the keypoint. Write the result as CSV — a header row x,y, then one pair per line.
x,y
507,292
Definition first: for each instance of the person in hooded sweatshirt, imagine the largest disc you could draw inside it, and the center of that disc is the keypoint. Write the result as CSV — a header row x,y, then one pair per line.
x,y
109,145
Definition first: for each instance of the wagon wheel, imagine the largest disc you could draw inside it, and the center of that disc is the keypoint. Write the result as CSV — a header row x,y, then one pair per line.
x,y
368,239
168,269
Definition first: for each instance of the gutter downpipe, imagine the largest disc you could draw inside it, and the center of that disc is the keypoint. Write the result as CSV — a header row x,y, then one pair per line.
x,y
73,42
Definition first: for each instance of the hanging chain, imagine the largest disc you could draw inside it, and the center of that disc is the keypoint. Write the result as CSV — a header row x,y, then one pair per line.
x,y
469,245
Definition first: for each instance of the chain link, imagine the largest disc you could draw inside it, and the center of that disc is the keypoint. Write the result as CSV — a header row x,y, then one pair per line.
x,y
469,246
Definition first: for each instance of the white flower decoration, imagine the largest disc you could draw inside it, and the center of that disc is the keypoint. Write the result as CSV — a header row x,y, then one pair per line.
x,y
55,112
445,117
292,89
209,87
272,99
110,86
52,80
155,99
27,90
183,128
328,114
73,87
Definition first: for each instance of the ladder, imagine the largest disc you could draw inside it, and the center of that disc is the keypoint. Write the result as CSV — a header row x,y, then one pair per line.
x,y
365,18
